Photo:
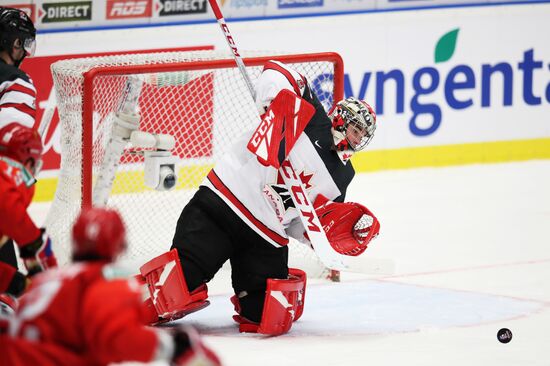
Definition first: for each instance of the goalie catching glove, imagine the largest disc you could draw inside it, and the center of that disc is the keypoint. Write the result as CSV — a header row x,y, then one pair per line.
x,y
38,255
349,226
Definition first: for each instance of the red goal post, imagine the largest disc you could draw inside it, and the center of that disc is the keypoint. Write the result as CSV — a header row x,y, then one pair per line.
x,y
198,97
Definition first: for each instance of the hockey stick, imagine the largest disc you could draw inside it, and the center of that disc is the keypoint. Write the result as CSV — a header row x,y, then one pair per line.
x,y
294,184
47,118
231,43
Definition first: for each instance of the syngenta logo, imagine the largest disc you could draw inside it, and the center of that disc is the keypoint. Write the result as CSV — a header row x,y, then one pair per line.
x,y
462,89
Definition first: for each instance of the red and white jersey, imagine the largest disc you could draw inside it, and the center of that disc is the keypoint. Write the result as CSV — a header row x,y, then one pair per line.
x,y
256,193
16,192
80,315
17,96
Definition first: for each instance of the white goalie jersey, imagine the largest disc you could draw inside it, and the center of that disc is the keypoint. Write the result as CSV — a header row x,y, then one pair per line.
x,y
257,193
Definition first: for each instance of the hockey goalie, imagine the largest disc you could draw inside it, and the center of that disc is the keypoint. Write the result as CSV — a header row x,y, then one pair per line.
x,y
243,211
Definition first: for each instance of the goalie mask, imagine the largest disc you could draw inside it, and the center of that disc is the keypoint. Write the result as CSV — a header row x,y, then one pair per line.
x,y
353,125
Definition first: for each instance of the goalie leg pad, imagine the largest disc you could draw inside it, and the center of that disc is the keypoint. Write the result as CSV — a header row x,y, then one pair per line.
x,y
283,304
168,290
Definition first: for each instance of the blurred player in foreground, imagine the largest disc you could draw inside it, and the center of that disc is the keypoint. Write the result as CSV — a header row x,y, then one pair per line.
x,y
20,152
20,161
87,314
243,212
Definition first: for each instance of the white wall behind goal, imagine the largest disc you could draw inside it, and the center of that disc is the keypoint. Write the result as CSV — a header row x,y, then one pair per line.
x,y
436,77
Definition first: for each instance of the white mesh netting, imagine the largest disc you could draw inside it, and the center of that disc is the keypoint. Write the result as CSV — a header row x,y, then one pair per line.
x,y
202,106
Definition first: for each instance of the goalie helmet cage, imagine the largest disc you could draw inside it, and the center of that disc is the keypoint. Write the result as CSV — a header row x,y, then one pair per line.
x,y
198,97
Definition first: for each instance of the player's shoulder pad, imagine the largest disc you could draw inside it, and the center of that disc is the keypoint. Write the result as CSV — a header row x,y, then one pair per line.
x,y
294,78
111,296
19,173
10,73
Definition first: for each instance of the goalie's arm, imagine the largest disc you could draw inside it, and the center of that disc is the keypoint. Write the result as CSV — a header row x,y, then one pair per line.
x,y
283,112
274,78
280,128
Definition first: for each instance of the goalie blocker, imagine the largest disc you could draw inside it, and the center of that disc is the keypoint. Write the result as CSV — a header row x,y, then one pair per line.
x,y
169,298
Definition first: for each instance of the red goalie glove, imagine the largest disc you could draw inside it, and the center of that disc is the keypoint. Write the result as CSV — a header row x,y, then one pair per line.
x,y
349,226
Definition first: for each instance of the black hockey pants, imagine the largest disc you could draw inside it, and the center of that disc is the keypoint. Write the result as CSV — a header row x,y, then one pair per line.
x,y
209,233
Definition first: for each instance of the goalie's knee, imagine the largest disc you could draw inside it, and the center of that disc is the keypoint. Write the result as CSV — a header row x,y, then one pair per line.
x,y
168,291
283,304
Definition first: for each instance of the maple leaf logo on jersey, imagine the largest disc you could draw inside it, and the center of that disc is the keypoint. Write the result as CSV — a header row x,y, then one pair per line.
x,y
305,178
279,196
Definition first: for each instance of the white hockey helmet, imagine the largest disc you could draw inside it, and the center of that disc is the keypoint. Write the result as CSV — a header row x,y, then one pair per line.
x,y
353,125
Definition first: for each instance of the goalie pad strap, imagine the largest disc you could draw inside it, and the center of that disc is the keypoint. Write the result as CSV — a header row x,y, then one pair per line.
x,y
168,290
284,304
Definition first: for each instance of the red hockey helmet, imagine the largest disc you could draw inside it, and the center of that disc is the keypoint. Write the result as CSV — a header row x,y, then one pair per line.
x,y
98,234
22,144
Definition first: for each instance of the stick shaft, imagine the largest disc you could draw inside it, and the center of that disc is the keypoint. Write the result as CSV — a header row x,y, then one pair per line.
x,y
233,46
327,255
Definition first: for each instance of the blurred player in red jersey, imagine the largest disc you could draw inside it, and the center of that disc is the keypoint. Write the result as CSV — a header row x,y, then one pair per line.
x,y
85,314
20,160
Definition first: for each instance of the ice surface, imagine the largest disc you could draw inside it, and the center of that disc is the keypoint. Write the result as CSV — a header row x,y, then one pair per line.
x,y
471,247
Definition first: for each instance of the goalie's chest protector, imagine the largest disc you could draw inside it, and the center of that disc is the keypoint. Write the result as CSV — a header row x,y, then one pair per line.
x,y
258,195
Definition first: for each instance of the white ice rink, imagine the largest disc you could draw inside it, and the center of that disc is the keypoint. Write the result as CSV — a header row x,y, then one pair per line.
x,y
471,247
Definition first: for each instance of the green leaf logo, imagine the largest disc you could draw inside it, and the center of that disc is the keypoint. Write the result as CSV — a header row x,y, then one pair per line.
x,y
445,47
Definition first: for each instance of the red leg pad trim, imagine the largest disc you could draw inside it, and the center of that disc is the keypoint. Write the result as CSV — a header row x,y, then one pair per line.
x,y
300,276
284,303
168,289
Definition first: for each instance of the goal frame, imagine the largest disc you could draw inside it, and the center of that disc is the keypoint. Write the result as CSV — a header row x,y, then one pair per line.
x,y
92,74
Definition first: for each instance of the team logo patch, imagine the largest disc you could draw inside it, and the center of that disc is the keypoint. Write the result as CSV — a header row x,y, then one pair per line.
x,y
279,197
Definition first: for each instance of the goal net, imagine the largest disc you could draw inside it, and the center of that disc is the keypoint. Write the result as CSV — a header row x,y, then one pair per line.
x,y
197,97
